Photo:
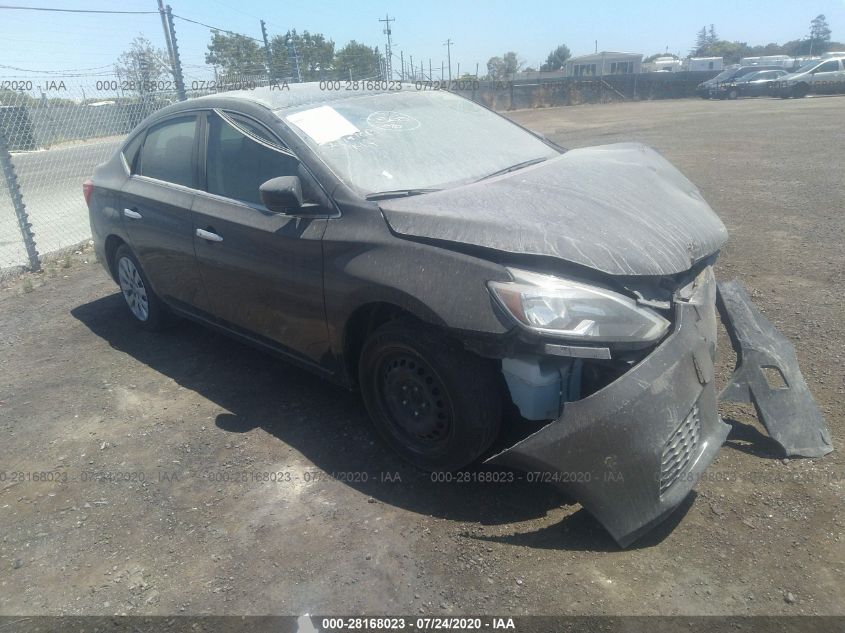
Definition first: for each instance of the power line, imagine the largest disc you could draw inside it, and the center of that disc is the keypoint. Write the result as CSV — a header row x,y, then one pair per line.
x,y
216,28
9,6
55,72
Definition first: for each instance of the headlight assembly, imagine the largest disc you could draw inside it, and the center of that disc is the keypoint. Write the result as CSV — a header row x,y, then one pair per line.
x,y
577,311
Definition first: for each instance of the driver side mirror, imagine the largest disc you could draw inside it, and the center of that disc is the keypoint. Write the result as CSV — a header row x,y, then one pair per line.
x,y
282,194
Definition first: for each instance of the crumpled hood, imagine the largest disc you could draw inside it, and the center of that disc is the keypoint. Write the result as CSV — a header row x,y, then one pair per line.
x,y
621,209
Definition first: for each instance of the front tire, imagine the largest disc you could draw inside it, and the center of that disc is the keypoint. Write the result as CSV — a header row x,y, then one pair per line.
x,y
144,305
435,404
800,91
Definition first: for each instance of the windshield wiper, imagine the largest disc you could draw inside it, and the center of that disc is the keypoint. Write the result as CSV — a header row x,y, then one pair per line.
x,y
507,170
397,193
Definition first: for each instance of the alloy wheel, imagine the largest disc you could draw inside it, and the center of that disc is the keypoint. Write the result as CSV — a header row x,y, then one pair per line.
x,y
133,289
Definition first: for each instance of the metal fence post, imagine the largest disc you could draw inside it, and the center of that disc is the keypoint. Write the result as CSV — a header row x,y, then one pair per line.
x,y
11,180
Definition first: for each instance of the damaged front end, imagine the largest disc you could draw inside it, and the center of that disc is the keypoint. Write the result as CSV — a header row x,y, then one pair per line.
x,y
632,450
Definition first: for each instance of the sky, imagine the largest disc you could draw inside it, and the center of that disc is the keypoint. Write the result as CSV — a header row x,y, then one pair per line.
x,y
41,41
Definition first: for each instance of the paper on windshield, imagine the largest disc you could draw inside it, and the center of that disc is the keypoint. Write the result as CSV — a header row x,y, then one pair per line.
x,y
323,124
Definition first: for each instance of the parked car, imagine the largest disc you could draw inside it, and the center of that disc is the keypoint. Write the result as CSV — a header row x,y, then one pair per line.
x,y
756,84
711,88
446,262
826,75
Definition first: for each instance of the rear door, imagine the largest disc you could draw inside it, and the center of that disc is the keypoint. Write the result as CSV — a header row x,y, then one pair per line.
x,y
263,270
156,205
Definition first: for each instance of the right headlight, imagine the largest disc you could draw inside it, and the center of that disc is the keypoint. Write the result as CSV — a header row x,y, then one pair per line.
x,y
577,311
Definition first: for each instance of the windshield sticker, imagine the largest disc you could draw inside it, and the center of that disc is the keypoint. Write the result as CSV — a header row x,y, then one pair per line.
x,y
323,124
386,120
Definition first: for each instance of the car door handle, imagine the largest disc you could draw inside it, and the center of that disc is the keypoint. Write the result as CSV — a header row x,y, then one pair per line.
x,y
131,213
209,236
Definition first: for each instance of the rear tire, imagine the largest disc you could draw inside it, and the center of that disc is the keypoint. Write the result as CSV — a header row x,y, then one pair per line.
x,y
434,403
143,305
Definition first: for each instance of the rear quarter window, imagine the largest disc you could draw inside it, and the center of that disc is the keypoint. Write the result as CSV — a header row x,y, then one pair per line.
x,y
168,152
130,151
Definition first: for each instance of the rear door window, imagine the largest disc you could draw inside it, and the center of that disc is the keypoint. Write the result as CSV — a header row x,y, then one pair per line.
x,y
168,152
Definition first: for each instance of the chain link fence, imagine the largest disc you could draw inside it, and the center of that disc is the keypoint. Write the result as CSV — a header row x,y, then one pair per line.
x,y
49,145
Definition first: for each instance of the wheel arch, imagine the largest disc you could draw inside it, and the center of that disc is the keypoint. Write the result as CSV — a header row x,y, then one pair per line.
x,y
112,243
365,319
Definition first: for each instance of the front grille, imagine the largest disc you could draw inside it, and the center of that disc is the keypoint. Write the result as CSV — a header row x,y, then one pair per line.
x,y
679,449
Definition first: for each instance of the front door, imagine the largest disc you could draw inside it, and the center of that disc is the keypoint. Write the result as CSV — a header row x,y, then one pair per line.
x,y
826,76
263,270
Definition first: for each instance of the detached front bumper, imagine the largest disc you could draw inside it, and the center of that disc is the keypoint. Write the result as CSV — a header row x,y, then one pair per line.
x,y
632,451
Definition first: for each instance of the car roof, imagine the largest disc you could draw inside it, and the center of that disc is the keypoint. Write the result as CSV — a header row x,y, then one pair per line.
x,y
281,96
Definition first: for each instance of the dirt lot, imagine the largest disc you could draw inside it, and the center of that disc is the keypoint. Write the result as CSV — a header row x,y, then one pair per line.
x,y
132,465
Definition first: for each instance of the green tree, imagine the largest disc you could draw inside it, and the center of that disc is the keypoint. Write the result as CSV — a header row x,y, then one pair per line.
x,y
235,55
357,61
142,66
700,43
731,52
505,66
712,38
557,58
651,58
495,68
313,52
819,34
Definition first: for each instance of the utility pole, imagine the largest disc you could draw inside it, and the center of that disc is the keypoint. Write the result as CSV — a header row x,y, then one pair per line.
x,y
459,70
267,51
292,46
429,69
166,34
402,62
448,44
411,65
177,63
389,51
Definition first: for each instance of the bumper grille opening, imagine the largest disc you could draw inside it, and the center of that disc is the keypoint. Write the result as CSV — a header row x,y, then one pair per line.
x,y
679,449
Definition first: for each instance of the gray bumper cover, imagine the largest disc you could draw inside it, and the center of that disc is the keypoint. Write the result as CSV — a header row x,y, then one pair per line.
x,y
789,414
632,451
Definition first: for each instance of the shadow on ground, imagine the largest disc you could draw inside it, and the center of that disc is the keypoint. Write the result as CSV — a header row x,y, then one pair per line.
x,y
330,427
746,438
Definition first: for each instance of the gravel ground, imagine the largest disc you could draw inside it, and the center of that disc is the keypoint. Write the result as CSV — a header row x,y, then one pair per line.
x,y
184,473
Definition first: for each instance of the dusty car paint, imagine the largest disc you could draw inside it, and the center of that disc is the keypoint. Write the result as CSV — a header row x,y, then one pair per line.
x,y
618,214
619,209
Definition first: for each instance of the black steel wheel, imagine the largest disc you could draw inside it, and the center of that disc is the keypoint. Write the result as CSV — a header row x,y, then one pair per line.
x,y
415,398
436,404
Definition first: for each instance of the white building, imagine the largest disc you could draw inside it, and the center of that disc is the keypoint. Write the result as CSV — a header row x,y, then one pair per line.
x,y
768,60
704,63
663,65
604,63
